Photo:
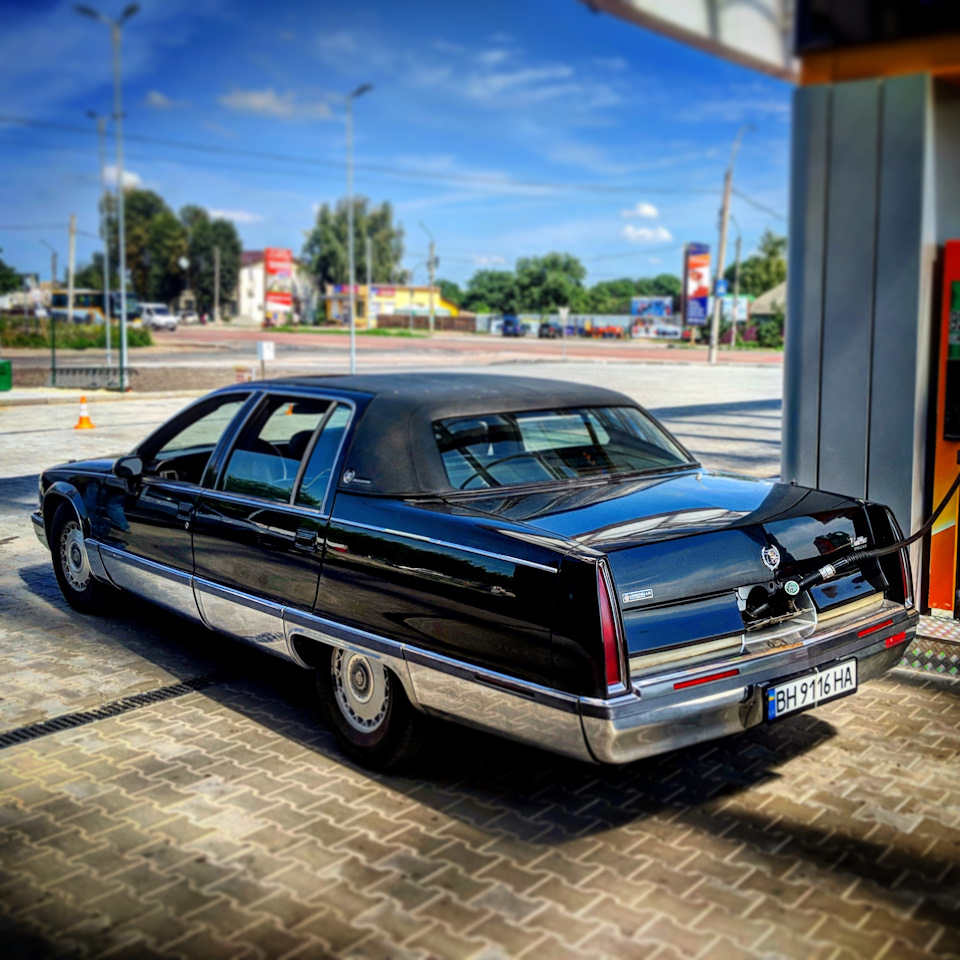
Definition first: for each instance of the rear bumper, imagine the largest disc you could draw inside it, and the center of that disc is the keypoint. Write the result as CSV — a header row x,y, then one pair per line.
x,y
38,528
655,717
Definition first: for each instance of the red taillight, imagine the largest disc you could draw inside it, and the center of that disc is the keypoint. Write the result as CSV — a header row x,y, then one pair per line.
x,y
877,626
708,679
896,638
612,659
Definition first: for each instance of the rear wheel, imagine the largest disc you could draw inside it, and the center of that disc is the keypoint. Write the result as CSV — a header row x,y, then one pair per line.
x,y
71,564
368,711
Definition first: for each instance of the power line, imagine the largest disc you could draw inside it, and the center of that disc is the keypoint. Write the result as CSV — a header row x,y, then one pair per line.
x,y
756,203
401,172
35,226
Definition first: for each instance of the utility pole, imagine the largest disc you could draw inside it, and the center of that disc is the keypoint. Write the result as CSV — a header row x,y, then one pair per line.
x,y
736,295
359,92
216,284
116,36
431,266
722,251
101,136
369,288
71,264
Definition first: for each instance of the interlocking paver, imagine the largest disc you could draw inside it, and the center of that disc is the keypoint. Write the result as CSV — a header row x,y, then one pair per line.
x,y
226,823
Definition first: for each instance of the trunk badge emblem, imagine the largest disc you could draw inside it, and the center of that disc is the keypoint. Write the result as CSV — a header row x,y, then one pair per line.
x,y
770,556
636,595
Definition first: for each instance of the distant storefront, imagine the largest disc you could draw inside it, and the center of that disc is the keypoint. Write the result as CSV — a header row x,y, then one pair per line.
x,y
385,300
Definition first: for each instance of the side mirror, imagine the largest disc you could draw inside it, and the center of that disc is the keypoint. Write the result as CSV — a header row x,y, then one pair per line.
x,y
128,468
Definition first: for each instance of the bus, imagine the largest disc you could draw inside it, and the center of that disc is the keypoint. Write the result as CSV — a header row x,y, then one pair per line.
x,y
90,303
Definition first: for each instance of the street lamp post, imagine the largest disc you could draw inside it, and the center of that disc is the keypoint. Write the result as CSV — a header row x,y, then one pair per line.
x,y
359,92
116,36
101,136
722,251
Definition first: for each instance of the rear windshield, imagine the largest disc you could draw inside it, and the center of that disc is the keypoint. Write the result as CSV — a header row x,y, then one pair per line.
x,y
540,446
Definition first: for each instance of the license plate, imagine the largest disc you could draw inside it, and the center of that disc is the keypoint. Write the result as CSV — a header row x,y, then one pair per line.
x,y
826,683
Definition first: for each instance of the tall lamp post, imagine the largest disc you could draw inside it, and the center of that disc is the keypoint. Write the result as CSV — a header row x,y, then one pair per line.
x,y
101,136
722,251
116,36
359,92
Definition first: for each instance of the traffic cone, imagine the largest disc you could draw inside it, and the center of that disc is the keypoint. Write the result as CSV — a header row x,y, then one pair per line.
x,y
84,423
289,412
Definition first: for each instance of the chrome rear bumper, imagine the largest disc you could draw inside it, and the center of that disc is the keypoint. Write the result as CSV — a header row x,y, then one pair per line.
x,y
38,528
656,717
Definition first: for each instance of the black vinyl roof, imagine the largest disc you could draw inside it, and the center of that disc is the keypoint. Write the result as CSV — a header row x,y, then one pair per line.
x,y
393,450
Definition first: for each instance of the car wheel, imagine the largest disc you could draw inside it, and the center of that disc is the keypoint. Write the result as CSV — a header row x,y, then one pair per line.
x,y
71,565
368,711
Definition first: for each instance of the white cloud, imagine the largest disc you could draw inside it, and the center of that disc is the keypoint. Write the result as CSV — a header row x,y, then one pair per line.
x,y
654,260
339,42
492,57
220,131
611,63
237,216
658,234
160,101
269,103
642,209
487,261
131,180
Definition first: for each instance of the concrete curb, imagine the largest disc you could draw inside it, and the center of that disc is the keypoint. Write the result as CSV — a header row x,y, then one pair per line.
x,y
94,396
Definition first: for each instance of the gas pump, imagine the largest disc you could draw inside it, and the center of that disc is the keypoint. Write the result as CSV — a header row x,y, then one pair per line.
x,y
942,592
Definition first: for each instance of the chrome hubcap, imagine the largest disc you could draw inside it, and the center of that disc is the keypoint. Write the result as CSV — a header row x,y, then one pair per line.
x,y
362,690
73,556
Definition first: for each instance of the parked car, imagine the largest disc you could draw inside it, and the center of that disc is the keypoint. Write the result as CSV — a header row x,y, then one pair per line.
x,y
550,330
538,559
157,316
188,316
513,327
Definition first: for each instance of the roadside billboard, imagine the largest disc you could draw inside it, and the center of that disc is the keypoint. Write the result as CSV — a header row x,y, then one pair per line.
x,y
652,308
696,284
278,270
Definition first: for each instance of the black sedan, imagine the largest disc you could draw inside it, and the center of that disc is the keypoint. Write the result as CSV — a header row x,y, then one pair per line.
x,y
534,558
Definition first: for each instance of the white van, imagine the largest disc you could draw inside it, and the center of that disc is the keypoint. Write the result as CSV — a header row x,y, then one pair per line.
x,y
157,316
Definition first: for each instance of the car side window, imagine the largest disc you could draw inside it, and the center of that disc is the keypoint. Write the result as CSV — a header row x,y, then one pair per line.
x,y
185,448
266,458
316,477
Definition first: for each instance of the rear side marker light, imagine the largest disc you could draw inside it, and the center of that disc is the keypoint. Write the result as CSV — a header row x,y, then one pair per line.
x,y
708,679
877,626
896,638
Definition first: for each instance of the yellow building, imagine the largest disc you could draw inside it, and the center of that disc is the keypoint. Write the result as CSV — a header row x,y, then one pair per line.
x,y
384,299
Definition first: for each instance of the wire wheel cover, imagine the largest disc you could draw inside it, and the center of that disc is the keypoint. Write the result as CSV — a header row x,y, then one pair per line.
x,y
73,556
361,688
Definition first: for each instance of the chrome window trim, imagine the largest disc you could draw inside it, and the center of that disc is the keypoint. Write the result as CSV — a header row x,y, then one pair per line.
x,y
249,501
291,501
447,543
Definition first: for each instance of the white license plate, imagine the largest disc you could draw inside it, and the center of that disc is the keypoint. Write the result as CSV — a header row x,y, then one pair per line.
x,y
821,685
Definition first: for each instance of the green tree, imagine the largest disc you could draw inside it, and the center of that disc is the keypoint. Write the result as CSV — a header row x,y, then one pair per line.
x,y
90,275
765,269
662,285
326,250
491,291
205,237
611,296
166,245
139,209
451,291
9,279
191,215
545,283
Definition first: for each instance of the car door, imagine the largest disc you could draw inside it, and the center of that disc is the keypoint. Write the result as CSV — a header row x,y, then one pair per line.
x,y
259,532
146,541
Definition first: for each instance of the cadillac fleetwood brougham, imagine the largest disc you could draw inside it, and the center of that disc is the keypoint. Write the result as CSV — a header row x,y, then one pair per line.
x,y
534,558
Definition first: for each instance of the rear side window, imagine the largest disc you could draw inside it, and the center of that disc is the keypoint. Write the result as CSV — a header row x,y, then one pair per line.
x,y
316,477
266,458
541,446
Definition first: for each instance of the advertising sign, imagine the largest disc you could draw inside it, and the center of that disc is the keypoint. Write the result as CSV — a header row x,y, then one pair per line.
x,y
653,308
696,284
278,270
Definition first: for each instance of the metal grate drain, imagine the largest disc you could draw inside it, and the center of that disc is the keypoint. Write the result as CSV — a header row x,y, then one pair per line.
x,y
124,705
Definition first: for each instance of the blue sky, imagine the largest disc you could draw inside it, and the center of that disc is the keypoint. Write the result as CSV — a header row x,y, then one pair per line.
x,y
507,127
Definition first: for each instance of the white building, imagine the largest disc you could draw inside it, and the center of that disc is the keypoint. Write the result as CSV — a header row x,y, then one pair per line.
x,y
251,290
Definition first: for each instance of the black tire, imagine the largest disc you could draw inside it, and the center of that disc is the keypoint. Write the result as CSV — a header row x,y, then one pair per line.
x,y
71,566
385,732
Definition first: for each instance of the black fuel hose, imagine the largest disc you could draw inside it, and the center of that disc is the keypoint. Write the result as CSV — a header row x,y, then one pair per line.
x,y
830,570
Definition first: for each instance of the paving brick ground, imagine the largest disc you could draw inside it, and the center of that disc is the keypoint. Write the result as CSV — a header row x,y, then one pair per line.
x,y
225,823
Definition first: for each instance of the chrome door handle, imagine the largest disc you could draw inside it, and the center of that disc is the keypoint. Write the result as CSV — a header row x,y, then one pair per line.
x,y
305,539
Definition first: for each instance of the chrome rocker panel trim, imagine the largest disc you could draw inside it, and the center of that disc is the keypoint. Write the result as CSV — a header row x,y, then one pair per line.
x,y
652,718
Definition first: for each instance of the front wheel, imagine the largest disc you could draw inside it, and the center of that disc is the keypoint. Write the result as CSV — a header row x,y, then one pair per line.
x,y
71,565
365,705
